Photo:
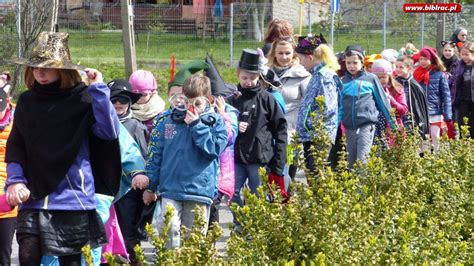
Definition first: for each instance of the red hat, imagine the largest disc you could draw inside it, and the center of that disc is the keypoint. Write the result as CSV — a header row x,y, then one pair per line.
x,y
428,52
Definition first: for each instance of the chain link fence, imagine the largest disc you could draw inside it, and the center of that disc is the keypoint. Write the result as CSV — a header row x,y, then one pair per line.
x,y
191,31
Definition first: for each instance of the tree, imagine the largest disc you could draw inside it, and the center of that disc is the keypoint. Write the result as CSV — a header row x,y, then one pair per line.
x,y
32,17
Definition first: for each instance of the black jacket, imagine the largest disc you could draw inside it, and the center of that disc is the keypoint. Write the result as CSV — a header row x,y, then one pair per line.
x,y
265,139
138,131
417,115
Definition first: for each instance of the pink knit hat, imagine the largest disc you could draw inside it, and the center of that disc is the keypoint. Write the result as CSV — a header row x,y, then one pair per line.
x,y
143,82
382,66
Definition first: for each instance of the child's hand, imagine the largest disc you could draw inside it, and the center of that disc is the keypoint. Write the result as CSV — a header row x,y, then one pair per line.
x,y
243,127
190,117
220,105
17,194
149,197
140,181
94,76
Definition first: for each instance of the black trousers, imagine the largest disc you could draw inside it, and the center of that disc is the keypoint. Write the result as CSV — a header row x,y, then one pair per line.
x,y
466,109
30,252
334,152
7,230
129,210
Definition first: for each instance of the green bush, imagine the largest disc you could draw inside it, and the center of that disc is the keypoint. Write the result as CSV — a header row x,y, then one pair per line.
x,y
399,208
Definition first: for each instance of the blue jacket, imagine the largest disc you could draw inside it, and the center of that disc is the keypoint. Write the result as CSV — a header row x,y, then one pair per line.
x,y
439,95
362,98
76,191
323,83
132,161
183,160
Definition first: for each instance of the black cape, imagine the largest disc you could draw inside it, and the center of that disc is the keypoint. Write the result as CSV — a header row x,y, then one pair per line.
x,y
49,129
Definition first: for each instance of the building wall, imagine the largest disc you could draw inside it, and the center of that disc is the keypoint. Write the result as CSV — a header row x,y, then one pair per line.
x,y
290,10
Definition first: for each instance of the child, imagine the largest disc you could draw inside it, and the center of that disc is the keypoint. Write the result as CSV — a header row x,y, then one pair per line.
x,y
394,92
262,135
361,100
449,56
463,87
459,37
5,79
150,104
7,218
430,75
190,181
369,61
321,62
55,155
417,116
123,98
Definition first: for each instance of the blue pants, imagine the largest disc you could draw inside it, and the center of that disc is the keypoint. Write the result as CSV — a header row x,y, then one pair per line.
x,y
244,172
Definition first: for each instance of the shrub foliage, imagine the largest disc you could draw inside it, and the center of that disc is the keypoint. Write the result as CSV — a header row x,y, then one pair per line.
x,y
399,208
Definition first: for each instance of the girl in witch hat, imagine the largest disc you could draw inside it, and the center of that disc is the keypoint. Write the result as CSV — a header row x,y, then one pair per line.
x,y
55,155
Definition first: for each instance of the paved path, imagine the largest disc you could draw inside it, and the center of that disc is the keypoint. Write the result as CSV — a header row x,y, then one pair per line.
x,y
225,218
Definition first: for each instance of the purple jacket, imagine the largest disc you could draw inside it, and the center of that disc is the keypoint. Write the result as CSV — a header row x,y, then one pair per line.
x,y
76,190
456,82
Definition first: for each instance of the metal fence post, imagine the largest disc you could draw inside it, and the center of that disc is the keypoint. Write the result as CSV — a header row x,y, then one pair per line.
x,y
384,30
422,30
309,17
231,33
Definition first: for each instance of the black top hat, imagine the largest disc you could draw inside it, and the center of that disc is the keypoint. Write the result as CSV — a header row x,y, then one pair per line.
x,y
122,88
249,61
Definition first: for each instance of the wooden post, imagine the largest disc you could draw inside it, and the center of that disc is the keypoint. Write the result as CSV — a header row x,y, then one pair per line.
x,y
128,38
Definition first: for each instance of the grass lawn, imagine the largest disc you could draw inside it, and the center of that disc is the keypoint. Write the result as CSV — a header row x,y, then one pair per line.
x,y
104,51
106,47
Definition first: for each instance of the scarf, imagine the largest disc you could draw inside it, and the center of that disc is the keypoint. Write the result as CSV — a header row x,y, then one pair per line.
x,y
50,126
281,70
449,62
422,75
149,110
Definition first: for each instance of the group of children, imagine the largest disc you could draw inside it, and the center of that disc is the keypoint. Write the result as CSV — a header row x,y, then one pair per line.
x,y
114,149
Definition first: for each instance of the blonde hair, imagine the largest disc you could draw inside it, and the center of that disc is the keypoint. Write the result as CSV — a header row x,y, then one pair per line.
x,y
272,62
197,85
326,55
69,78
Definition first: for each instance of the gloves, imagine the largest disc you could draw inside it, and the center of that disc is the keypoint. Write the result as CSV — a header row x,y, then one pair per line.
x,y
451,129
280,183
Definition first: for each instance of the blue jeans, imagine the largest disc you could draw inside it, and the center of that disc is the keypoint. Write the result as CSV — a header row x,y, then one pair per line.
x,y
244,172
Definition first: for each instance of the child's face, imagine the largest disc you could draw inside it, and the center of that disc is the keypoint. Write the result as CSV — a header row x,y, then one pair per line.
x,y
401,69
462,36
46,75
120,108
175,90
284,54
247,79
369,67
424,62
145,98
448,51
383,78
353,64
307,61
467,56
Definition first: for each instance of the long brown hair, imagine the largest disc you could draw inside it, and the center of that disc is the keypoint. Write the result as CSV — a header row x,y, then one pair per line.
x,y
394,86
69,78
278,28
